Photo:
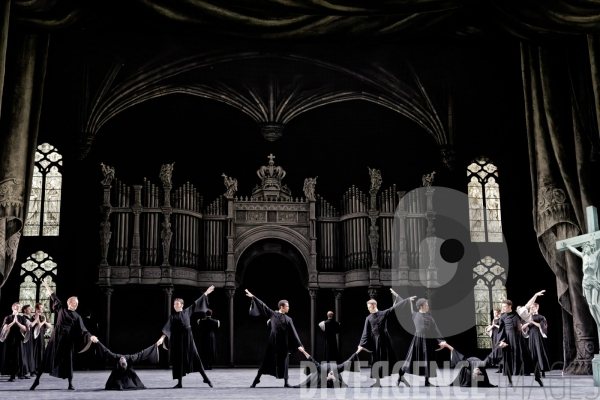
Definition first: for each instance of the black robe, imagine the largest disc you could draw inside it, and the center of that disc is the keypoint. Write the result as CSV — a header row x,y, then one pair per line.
x,y
208,341
467,366
496,355
283,340
420,359
126,379
28,350
376,338
68,331
184,355
537,343
314,379
330,346
15,361
38,338
516,358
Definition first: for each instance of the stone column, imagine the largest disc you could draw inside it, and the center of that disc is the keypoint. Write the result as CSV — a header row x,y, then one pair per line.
x,y
18,139
313,310
230,295
135,272
107,291
337,293
168,291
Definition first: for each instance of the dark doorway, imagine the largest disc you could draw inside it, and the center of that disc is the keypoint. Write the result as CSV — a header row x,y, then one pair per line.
x,y
270,277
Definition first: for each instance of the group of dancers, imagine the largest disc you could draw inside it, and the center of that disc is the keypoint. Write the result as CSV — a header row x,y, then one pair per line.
x,y
508,332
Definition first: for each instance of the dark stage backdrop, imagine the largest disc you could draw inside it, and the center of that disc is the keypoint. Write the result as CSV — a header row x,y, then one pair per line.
x,y
336,142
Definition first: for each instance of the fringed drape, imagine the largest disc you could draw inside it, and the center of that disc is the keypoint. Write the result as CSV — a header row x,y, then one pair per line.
x,y
561,129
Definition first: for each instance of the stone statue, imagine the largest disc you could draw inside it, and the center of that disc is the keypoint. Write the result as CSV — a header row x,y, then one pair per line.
x,y
428,179
166,171
309,188
109,174
591,281
375,179
230,184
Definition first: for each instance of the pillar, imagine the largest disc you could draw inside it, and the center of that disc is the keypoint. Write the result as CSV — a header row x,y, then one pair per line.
x,y
108,291
230,294
313,316
168,291
337,293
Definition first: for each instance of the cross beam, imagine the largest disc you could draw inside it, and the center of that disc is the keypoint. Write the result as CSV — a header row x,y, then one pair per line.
x,y
592,237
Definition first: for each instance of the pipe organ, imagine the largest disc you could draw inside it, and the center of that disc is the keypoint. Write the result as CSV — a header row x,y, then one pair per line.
x,y
154,233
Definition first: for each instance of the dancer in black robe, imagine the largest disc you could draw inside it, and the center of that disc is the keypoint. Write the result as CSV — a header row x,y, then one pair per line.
x,y
123,376
332,372
472,370
184,355
29,362
330,346
283,340
38,330
515,352
492,330
68,329
537,330
208,340
376,339
420,359
14,333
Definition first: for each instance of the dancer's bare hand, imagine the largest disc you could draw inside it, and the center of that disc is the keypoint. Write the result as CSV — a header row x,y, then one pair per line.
x,y
540,293
209,290
94,339
249,294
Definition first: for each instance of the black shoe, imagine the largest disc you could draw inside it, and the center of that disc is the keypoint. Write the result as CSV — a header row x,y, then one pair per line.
x,y
509,384
256,382
12,379
24,377
543,374
35,383
430,384
287,385
403,380
376,384
71,387
178,386
208,382
538,380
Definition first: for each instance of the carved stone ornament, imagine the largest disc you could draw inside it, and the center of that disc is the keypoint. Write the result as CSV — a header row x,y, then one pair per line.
x,y
271,130
428,179
166,235
166,172
109,174
309,188
374,242
11,192
448,156
376,180
231,185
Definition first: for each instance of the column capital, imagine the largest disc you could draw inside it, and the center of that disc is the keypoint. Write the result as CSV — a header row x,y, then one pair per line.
x,y
168,289
313,293
373,292
337,294
107,290
230,293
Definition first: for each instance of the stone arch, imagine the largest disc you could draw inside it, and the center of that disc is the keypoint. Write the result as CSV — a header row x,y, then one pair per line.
x,y
272,239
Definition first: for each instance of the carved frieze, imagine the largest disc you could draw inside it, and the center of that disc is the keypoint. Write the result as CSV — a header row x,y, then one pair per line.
x,y
286,216
272,206
184,274
211,277
302,217
119,273
151,273
256,216
302,231
271,216
240,216
331,278
358,275
11,192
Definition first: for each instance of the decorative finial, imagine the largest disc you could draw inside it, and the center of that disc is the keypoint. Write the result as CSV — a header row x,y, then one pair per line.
x,y
166,171
109,174
428,179
375,179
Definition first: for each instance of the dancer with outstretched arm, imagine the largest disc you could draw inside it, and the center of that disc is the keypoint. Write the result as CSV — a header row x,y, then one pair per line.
x,y
68,329
283,340
178,329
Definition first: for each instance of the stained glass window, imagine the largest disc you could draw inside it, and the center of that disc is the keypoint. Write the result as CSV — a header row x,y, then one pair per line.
x,y
44,200
484,201
489,292
38,266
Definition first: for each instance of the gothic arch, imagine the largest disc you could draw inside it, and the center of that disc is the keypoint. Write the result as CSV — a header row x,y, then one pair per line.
x,y
266,239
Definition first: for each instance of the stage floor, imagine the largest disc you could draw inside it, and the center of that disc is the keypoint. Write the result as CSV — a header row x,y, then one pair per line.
x,y
234,384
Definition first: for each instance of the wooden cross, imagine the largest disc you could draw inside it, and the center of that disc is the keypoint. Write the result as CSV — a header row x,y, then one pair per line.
x,y
592,237
271,157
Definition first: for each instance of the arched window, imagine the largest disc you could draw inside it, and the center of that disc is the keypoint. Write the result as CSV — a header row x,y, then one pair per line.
x,y
490,291
44,199
484,194
38,266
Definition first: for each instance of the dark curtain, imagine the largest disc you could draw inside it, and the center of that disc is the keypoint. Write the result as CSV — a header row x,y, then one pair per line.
x,y
562,136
